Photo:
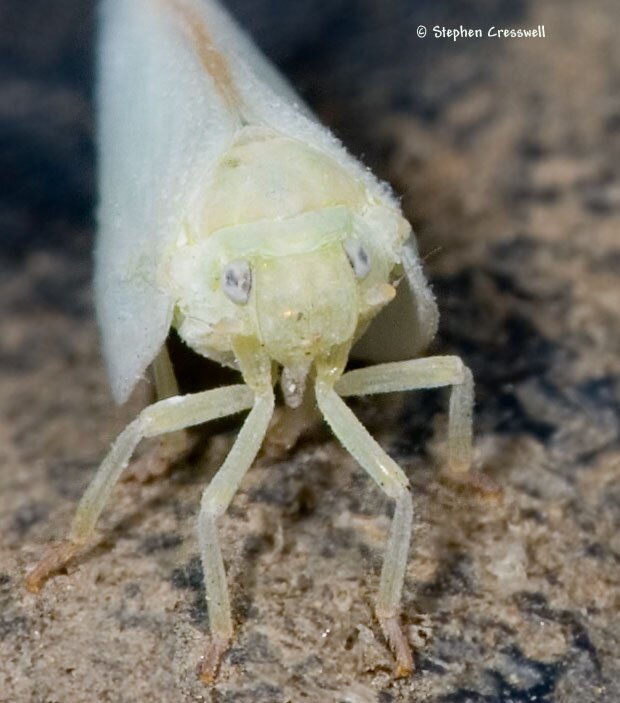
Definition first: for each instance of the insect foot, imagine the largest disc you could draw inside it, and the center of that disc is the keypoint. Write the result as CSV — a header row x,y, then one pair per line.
x,y
210,665
54,558
477,482
398,643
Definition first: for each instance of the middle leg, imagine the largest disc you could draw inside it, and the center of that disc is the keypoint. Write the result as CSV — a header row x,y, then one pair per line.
x,y
159,418
430,372
169,449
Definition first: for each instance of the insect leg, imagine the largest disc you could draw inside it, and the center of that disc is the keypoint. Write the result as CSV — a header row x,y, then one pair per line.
x,y
172,447
166,385
432,372
255,366
216,498
390,477
165,416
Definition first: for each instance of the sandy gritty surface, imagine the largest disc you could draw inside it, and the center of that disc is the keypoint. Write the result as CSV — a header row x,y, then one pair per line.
x,y
506,154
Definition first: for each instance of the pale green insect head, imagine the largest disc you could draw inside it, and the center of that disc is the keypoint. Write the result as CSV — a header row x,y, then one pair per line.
x,y
289,249
301,286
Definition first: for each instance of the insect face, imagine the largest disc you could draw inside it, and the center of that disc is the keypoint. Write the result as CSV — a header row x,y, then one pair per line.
x,y
289,256
305,304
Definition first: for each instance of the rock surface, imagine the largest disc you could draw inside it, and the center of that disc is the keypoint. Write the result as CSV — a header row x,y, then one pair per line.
x,y
505,152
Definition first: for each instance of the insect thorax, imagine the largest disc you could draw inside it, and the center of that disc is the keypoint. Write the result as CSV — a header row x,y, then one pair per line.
x,y
286,246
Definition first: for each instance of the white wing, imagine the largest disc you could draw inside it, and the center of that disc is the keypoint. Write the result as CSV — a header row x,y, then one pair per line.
x,y
161,122
177,79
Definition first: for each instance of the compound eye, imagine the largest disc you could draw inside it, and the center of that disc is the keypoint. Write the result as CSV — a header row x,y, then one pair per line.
x,y
358,257
237,281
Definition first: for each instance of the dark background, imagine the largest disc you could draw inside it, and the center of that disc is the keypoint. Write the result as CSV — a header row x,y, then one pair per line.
x,y
351,61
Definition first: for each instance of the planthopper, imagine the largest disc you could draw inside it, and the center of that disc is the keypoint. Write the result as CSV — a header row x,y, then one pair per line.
x,y
228,213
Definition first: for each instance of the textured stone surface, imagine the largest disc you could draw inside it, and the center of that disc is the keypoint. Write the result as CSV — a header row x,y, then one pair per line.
x,y
506,155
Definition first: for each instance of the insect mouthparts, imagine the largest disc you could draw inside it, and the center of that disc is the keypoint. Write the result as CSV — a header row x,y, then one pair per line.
x,y
293,385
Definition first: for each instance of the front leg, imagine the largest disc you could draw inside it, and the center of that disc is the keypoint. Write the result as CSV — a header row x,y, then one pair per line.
x,y
391,479
216,498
